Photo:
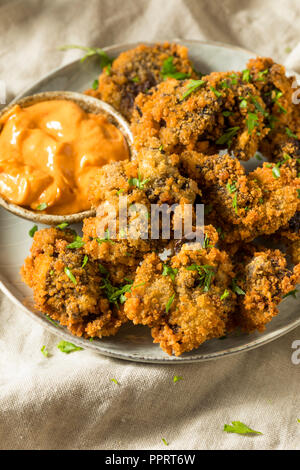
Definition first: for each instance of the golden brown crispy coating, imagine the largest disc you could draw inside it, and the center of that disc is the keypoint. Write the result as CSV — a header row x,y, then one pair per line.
x,y
223,111
276,90
249,205
136,71
186,300
66,286
265,279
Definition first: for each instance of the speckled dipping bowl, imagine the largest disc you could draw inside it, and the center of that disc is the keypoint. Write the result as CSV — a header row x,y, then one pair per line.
x,y
88,104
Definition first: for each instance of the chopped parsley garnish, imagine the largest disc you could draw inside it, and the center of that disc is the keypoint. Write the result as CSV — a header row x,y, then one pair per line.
x,y
236,288
206,243
176,378
105,60
169,303
85,260
191,87
168,271
95,84
161,148
115,381
135,79
252,122
216,92
77,243
231,187
239,428
169,70
70,275
290,133
62,226
227,113
225,294
106,239
292,293
67,348
42,206
261,75
244,103
120,191
227,137
276,172
51,272
205,273
32,231
246,77
165,442
51,321
138,182
258,157
116,294
44,351
234,203
102,269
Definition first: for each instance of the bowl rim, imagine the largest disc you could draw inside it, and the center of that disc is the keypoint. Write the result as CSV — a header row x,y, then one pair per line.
x,y
80,99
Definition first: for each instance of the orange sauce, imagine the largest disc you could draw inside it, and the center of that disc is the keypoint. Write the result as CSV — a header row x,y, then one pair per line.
x,y
50,151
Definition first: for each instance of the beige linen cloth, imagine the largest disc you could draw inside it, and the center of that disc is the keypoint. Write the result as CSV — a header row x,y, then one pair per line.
x,y
69,401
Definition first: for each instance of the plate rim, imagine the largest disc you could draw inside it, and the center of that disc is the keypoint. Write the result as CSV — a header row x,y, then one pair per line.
x,y
96,346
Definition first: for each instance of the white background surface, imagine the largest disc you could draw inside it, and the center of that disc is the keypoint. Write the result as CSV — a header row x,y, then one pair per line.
x,y
69,401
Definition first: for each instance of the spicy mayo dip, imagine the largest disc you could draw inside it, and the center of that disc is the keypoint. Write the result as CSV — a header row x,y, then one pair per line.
x,y
49,152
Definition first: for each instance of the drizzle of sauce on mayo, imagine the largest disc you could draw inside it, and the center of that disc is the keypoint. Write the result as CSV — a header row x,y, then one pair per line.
x,y
49,152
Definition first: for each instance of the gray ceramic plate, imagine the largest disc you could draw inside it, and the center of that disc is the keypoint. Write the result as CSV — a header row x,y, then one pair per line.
x,y
131,343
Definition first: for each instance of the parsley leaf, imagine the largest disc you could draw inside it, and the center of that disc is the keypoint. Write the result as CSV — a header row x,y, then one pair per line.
x,y
191,87
234,203
226,138
252,122
225,294
169,303
176,378
44,351
137,182
62,226
206,274
105,60
67,348
236,288
292,293
70,275
85,260
95,84
276,172
168,271
106,239
77,243
239,428
169,70
246,77
290,133
115,381
42,206
231,187
216,92
32,231
165,442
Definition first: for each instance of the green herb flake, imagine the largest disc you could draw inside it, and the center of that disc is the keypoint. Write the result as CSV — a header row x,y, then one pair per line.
x,y
62,226
67,348
234,203
261,75
85,260
227,113
290,133
138,182
95,84
231,187
77,243
169,303
105,60
227,137
205,273
32,231
236,288
191,87
44,351
42,206
51,321
216,92
165,442
168,271
276,172
115,381
106,239
239,428
292,293
169,70
225,294
258,157
246,77
70,275
252,122
177,378
244,103
135,79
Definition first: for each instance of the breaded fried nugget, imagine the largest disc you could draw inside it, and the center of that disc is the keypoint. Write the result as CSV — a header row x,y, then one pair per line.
x,y
152,179
219,111
138,70
250,205
263,279
276,90
66,285
287,154
184,301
